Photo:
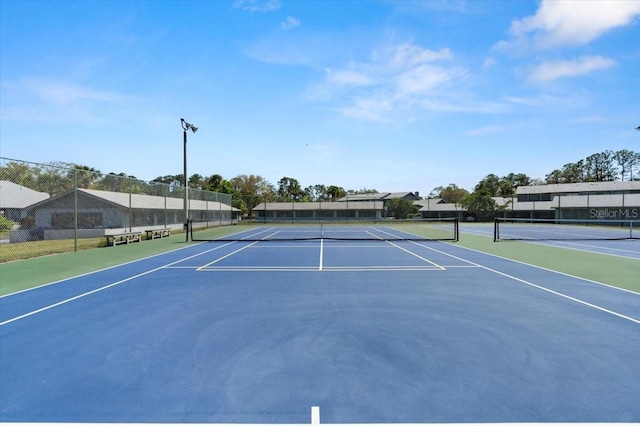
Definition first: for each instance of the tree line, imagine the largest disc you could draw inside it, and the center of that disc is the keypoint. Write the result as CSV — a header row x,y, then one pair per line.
x,y
250,190
247,191
606,166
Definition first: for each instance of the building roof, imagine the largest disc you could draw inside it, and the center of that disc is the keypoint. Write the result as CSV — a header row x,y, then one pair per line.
x,y
438,205
380,196
405,195
143,201
14,196
560,188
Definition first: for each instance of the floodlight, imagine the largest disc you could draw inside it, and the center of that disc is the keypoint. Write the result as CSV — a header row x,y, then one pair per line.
x,y
187,126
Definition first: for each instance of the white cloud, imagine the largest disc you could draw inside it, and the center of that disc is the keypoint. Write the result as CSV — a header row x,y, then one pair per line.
x,y
290,23
310,49
549,71
394,83
414,7
257,5
422,79
409,54
60,92
348,78
49,100
485,130
574,23
560,100
590,119
489,63
371,107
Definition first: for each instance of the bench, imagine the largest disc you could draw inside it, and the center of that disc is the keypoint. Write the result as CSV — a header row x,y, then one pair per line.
x,y
126,237
158,233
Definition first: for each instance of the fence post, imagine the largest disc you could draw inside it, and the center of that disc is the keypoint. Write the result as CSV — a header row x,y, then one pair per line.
x,y
559,210
75,210
165,192
130,205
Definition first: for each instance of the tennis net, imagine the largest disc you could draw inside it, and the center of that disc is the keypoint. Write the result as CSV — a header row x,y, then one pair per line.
x,y
565,229
414,230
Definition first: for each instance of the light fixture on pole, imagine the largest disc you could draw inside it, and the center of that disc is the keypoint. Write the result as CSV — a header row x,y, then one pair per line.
x,y
185,127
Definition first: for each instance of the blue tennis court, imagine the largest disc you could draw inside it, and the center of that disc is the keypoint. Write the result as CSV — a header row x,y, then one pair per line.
x,y
614,243
329,331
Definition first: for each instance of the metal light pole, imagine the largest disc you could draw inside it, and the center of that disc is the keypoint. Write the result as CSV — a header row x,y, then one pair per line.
x,y
185,127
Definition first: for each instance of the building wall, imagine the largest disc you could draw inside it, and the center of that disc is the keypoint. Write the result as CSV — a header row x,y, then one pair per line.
x,y
318,215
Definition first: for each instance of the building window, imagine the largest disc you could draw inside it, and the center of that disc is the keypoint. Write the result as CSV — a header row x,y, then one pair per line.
x,y
85,220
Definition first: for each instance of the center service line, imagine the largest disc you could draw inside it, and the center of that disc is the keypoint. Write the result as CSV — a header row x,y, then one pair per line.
x,y
321,253
227,255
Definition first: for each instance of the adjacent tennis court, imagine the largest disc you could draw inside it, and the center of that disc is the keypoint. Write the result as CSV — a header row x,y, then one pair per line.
x,y
357,325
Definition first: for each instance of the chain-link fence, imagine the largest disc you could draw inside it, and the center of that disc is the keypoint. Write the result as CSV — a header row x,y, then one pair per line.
x,y
320,211
50,208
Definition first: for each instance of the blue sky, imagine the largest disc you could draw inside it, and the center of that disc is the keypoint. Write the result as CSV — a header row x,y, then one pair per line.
x,y
391,95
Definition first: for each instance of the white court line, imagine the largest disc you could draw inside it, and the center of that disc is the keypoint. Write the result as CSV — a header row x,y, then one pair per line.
x,y
548,290
266,238
326,268
260,269
416,255
226,255
315,415
568,245
404,249
566,296
322,266
88,293
556,272
97,271
314,423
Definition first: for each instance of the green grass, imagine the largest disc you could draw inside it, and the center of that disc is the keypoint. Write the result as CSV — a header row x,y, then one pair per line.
x,y
31,249
27,273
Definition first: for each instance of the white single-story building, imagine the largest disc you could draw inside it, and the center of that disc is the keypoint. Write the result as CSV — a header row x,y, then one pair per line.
x,y
589,200
329,210
14,198
103,212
